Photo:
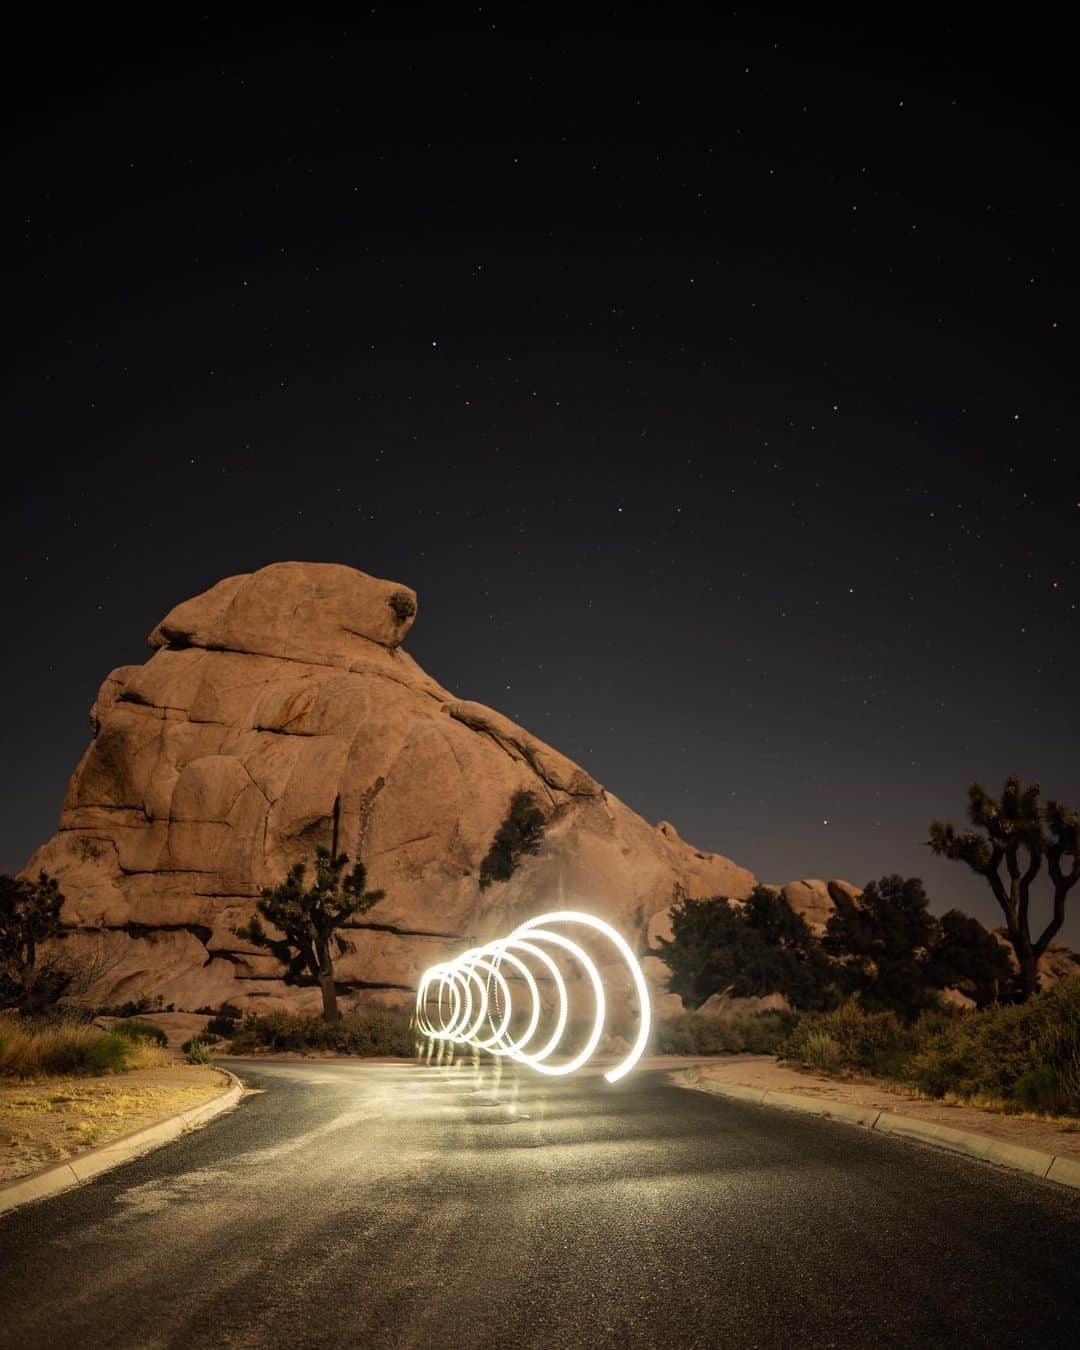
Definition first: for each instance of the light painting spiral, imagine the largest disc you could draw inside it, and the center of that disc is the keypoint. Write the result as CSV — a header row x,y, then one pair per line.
x,y
470,1000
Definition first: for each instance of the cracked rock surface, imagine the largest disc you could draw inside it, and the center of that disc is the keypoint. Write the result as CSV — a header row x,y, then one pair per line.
x,y
274,701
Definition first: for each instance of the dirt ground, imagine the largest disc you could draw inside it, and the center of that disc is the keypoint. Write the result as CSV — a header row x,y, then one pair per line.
x,y
47,1120
1057,1136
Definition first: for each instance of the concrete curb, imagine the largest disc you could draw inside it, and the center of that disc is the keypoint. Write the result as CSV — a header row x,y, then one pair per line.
x,y
1033,1161
62,1176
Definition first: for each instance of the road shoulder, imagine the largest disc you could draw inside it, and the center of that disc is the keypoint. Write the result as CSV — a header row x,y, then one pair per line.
x,y
81,1166
1040,1148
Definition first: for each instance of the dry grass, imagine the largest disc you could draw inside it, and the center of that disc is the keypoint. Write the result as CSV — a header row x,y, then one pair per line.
x,y
1017,1058
44,1122
32,1049
41,1049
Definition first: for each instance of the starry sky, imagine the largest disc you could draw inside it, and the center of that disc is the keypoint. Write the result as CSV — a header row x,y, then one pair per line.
x,y
717,398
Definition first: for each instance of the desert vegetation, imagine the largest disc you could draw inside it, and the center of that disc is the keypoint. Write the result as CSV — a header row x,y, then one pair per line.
x,y
519,835
309,919
885,949
379,1031
759,947
867,994
1021,1056
1012,837
29,918
64,1045
760,1034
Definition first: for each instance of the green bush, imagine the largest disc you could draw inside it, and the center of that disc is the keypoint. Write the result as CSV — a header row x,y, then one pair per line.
x,y
204,1037
197,1051
692,1034
382,1031
132,1027
54,1046
225,1022
1026,1056
110,1053
850,1036
1039,1089
821,1049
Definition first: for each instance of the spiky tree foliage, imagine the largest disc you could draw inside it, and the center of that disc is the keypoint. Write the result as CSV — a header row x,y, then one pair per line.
x,y
309,919
519,834
1011,839
29,916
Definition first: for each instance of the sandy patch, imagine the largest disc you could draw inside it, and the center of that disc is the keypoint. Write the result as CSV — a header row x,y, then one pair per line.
x,y
1057,1136
45,1121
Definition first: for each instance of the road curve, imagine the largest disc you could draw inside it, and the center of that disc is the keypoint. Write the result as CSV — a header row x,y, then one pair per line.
x,y
389,1205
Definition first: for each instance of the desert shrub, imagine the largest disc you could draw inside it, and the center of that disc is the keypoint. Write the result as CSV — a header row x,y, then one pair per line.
x,y
132,1027
1038,1090
380,1031
30,1049
225,1022
1025,1056
851,1037
691,1034
821,1050
108,1053
197,1051
148,1055
883,940
205,1037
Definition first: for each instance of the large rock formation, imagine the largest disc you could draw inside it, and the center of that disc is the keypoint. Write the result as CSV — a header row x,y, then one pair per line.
x,y
273,703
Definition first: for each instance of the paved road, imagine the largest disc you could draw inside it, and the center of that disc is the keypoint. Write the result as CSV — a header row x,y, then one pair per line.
x,y
387,1205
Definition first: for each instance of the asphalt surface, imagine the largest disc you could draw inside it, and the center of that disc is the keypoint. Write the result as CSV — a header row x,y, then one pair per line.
x,y
389,1205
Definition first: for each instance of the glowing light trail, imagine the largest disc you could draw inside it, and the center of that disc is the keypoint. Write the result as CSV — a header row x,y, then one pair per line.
x,y
466,984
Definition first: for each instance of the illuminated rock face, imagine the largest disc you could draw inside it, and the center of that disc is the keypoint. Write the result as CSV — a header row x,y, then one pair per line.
x,y
275,701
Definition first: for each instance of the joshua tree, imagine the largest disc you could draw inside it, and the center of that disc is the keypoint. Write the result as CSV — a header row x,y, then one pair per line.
x,y
1018,833
29,916
309,917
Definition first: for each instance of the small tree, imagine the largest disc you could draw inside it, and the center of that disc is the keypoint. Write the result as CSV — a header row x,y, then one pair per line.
x,y
309,918
1012,838
884,940
896,955
760,947
967,957
29,916
519,834
91,961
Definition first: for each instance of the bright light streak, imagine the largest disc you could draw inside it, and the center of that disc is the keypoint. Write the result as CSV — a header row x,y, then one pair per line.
x,y
468,1016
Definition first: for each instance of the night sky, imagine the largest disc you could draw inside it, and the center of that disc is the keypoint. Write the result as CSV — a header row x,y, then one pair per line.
x,y
718,399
